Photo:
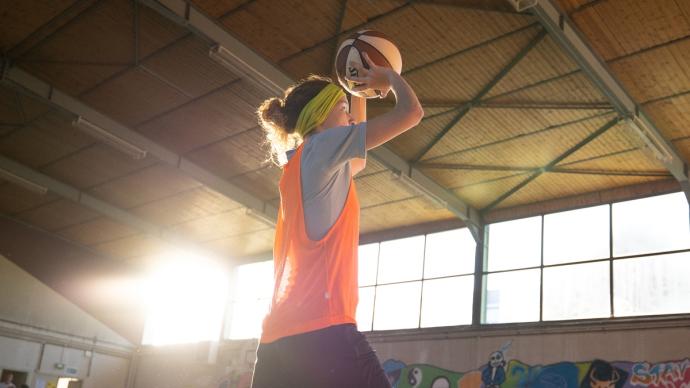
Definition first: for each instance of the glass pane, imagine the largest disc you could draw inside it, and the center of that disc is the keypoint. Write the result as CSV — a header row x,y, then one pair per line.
x,y
397,306
577,291
512,296
447,302
246,318
652,285
368,260
449,253
254,281
515,244
365,308
576,235
651,225
401,260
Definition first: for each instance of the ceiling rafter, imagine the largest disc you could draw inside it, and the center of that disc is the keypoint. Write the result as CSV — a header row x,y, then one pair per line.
x,y
29,84
476,5
475,167
55,24
465,108
470,49
566,34
259,68
610,124
336,37
453,105
516,137
560,166
89,201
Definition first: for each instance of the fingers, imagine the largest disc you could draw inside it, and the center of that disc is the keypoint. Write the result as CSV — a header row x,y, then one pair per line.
x,y
359,80
366,57
361,71
359,88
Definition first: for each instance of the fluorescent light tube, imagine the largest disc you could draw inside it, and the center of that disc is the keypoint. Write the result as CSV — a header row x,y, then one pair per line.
x,y
23,182
521,5
260,216
653,140
227,59
107,137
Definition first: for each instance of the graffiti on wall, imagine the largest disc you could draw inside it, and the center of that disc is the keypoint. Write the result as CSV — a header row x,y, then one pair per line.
x,y
498,371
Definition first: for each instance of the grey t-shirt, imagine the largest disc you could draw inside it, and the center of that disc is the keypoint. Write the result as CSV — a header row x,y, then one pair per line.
x,y
326,174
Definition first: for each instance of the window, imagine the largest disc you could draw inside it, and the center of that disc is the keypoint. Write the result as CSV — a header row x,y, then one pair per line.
x,y
449,253
253,288
515,244
405,283
649,225
576,235
397,306
401,260
368,264
513,296
577,291
652,285
447,301
365,308
625,259
617,260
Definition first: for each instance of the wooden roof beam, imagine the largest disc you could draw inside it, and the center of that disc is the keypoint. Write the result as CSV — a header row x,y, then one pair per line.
x,y
257,69
567,36
38,182
140,145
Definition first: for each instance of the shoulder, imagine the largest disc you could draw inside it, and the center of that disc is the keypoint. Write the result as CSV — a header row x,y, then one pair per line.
x,y
338,133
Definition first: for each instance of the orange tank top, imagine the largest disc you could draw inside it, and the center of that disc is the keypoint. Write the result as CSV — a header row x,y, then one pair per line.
x,y
315,282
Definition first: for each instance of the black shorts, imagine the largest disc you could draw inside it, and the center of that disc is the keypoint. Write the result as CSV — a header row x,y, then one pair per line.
x,y
334,357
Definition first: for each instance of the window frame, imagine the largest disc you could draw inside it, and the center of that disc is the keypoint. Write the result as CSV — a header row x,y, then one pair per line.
x,y
481,261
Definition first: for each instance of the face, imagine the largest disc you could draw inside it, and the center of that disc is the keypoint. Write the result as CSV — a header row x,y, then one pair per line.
x,y
339,116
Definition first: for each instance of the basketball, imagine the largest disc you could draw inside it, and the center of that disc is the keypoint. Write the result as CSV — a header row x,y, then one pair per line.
x,y
381,50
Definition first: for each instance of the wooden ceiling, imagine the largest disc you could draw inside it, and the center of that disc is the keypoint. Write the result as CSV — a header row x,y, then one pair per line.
x,y
502,101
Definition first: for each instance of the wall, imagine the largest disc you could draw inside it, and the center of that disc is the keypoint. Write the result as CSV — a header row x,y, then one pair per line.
x,y
39,328
639,353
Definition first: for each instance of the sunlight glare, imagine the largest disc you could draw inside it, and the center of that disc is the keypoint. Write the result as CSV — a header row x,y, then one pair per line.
x,y
185,297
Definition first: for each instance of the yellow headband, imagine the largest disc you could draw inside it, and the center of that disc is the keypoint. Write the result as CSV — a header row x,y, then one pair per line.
x,y
316,110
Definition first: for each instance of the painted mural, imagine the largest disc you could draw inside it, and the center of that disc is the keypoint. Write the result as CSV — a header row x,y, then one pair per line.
x,y
500,372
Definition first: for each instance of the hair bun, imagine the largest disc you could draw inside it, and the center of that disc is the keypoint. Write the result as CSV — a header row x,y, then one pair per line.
x,y
273,111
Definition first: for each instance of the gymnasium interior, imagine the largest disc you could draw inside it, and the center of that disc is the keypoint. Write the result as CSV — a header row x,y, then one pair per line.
x,y
532,231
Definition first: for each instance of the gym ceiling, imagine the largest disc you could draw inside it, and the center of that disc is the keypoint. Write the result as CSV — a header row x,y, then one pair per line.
x,y
122,137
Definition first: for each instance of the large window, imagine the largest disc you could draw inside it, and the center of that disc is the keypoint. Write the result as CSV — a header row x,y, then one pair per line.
x,y
623,259
626,259
420,281
251,296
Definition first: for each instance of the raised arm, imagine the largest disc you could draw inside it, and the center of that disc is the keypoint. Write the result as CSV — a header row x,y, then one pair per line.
x,y
358,110
407,112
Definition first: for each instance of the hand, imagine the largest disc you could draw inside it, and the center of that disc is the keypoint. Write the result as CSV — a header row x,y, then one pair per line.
x,y
376,77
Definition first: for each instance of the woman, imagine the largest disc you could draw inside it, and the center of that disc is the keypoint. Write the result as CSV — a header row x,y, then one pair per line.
x,y
309,337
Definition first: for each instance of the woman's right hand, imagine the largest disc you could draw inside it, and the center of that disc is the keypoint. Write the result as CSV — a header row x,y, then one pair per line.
x,y
407,112
375,77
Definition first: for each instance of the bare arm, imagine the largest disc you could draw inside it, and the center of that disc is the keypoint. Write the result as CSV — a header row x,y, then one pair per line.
x,y
407,112
358,110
